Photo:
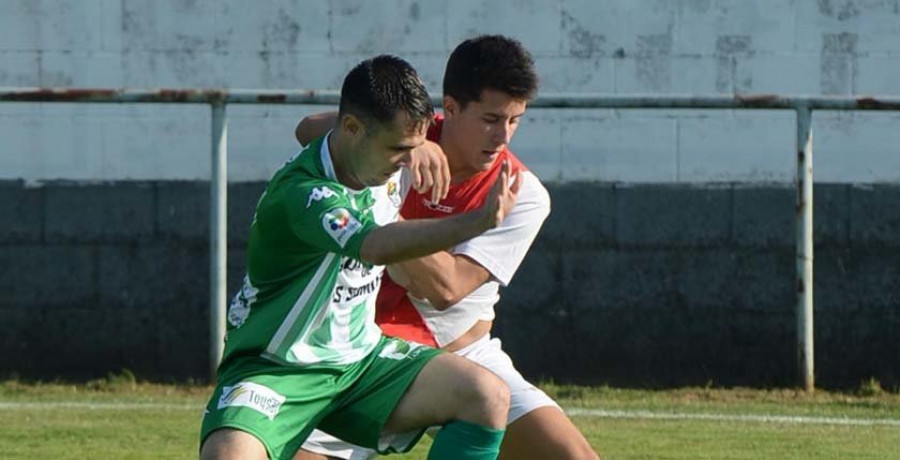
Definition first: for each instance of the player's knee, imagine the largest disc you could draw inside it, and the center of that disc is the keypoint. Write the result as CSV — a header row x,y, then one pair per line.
x,y
490,395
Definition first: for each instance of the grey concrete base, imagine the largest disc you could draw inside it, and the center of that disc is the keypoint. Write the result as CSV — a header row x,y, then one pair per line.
x,y
637,285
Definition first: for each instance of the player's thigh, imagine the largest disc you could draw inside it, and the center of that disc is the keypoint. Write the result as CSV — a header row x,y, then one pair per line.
x,y
360,414
545,433
278,408
443,391
228,443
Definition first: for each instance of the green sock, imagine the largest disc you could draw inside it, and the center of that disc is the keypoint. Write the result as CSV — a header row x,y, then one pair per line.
x,y
461,440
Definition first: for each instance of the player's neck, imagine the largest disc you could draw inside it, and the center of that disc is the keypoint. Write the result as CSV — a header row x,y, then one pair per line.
x,y
341,160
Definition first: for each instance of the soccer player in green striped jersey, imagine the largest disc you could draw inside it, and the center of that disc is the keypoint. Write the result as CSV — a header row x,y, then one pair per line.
x,y
302,349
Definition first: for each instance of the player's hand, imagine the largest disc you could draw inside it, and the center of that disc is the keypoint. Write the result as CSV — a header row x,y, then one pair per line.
x,y
502,198
428,165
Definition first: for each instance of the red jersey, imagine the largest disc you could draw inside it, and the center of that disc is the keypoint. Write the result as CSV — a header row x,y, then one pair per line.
x,y
395,312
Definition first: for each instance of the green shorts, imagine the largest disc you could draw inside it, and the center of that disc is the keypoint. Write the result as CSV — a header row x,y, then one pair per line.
x,y
280,405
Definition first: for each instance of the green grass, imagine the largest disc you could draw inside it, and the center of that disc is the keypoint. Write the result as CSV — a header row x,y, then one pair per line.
x,y
161,421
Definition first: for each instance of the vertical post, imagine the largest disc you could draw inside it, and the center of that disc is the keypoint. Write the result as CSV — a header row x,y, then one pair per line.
x,y
805,361
218,191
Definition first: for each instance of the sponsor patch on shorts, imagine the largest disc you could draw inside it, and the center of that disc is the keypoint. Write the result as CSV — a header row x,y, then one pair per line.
x,y
400,349
340,225
253,395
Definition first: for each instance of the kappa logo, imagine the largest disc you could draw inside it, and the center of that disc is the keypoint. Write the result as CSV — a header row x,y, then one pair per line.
x,y
319,194
340,225
254,396
437,206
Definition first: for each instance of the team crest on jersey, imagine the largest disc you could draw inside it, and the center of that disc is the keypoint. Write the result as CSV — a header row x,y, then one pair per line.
x,y
340,225
393,192
319,194
253,395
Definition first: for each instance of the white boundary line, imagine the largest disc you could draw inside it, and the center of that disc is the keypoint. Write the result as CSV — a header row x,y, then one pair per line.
x,y
51,405
799,419
576,412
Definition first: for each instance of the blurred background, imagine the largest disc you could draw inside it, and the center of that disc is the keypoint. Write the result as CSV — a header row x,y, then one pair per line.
x,y
668,259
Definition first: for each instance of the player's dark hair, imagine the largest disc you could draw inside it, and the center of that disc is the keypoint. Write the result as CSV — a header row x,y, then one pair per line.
x,y
490,61
379,88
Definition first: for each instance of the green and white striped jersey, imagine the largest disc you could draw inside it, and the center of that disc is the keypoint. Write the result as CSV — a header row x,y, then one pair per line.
x,y
307,298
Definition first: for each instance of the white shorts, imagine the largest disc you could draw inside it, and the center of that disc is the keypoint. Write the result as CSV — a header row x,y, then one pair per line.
x,y
523,398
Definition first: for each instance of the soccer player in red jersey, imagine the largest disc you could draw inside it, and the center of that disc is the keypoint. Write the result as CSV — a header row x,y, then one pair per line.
x,y
447,299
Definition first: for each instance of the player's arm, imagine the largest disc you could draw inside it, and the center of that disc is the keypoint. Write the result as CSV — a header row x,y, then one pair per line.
x,y
314,126
442,278
410,239
446,277
427,163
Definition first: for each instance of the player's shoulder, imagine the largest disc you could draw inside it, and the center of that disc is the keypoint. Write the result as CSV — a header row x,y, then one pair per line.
x,y
302,192
532,190
316,193
303,180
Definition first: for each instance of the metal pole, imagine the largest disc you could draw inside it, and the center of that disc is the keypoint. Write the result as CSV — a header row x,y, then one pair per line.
x,y
805,347
218,191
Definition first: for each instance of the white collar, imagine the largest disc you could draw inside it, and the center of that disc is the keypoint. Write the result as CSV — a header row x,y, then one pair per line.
x,y
325,153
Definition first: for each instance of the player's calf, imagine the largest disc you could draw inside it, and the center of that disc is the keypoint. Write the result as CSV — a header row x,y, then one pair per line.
x,y
544,433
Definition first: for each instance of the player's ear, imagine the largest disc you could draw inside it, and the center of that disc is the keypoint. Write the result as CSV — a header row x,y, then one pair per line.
x,y
353,126
451,107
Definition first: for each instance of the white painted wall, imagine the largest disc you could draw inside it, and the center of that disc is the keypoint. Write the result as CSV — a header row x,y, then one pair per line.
x,y
613,46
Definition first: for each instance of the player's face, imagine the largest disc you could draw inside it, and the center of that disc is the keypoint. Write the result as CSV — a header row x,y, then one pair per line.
x,y
386,148
483,128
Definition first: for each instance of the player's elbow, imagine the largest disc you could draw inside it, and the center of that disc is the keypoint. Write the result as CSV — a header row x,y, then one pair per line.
x,y
303,132
373,256
442,299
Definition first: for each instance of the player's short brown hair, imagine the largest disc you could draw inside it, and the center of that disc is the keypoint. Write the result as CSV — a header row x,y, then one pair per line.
x,y
490,61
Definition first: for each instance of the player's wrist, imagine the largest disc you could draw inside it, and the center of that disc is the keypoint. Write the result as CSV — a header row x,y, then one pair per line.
x,y
487,218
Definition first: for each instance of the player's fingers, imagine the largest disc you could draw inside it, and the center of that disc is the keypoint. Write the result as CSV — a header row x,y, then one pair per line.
x,y
517,183
438,183
445,173
427,180
416,176
497,188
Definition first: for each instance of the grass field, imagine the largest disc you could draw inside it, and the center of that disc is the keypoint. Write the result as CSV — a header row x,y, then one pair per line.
x,y
118,418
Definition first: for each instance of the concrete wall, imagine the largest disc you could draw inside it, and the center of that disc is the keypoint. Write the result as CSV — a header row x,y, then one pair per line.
x,y
648,285
668,259
625,46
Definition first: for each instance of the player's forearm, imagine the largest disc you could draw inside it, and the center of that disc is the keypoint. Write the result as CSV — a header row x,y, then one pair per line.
x,y
431,277
401,241
442,278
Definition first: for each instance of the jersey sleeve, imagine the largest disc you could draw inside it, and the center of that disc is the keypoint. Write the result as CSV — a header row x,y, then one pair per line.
x,y
324,216
501,250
